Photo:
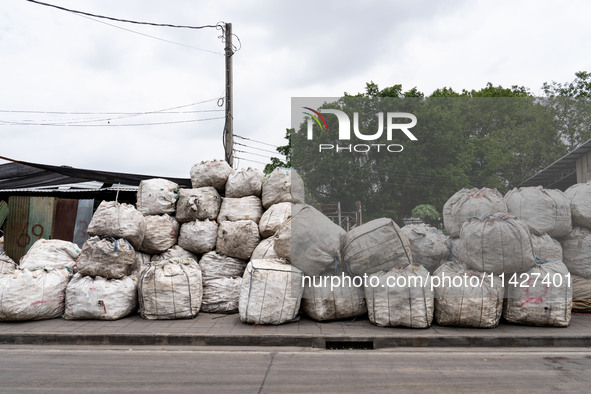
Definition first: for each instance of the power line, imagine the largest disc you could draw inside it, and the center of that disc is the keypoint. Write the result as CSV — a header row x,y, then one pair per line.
x,y
250,139
217,26
250,153
150,36
253,161
8,123
253,147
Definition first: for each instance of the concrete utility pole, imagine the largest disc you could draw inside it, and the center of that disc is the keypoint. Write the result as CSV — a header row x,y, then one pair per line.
x,y
229,128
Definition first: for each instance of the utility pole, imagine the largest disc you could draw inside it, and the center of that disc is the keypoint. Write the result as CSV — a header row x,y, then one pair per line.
x,y
229,128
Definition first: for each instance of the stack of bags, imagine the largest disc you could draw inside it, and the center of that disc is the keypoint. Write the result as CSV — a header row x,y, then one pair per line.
x,y
37,288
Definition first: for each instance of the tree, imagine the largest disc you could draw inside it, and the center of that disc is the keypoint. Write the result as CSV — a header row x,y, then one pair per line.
x,y
285,150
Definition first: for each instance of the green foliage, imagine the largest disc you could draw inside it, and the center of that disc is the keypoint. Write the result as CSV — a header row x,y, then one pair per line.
x,y
427,213
285,150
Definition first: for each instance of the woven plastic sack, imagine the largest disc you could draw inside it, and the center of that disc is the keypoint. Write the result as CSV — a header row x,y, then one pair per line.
x,y
468,203
375,246
175,251
170,289
273,218
238,239
496,243
546,247
199,236
52,253
244,183
221,295
264,250
161,233
118,221
467,298
541,296
271,293
576,252
33,295
99,298
579,196
157,196
454,249
7,265
198,204
404,300
211,173
327,298
544,210
141,262
107,257
244,208
428,245
309,240
215,266
581,294
282,185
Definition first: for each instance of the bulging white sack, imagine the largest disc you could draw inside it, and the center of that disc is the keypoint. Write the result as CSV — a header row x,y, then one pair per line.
x,y
199,236
118,221
157,196
428,245
244,208
581,294
52,253
211,173
546,248
282,185
107,257
33,295
99,298
271,293
175,251
375,246
238,239
273,218
321,301
264,250
579,196
161,233
244,183
496,243
215,266
221,295
198,204
468,203
576,252
544,210
7,265
170,289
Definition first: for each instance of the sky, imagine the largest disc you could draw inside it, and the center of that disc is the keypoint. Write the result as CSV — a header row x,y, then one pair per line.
x,y
105,95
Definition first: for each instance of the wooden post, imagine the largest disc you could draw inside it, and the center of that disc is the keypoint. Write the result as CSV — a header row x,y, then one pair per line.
x,y
229,128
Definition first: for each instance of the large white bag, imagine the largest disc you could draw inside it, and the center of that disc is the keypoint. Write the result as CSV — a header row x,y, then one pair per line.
x,y
170,289
107,257
273,218
576,252
375,246
215,266
157,196
541,296
199,236
405,300
544,210
309,241
271,293
99,298
244,183
467,298
198,204
33,295
175,251
581,294
238,239
211,173
468,203
7,265
244,208
496,243
221,295
338,300
161,233
118,221
282,185
579,196
428,245
264,250
546,247
53,253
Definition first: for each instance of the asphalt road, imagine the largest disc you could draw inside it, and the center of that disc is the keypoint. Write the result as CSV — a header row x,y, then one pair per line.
x,y
253,370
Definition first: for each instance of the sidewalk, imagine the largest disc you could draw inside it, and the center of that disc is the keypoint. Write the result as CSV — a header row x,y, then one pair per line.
x,y
227,330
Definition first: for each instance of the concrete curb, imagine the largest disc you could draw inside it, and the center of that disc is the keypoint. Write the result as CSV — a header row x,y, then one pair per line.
x,y
309,340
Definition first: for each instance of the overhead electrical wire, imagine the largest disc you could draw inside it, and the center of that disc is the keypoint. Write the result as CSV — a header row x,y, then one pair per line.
x,y
253,161
250,139
216,26
250,153
253,147
8,123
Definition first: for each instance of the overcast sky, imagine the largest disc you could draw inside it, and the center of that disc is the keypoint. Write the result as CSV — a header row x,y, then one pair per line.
x,y
98,77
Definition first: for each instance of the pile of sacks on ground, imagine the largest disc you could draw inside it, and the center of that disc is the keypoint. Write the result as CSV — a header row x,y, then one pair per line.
x,y
243,242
